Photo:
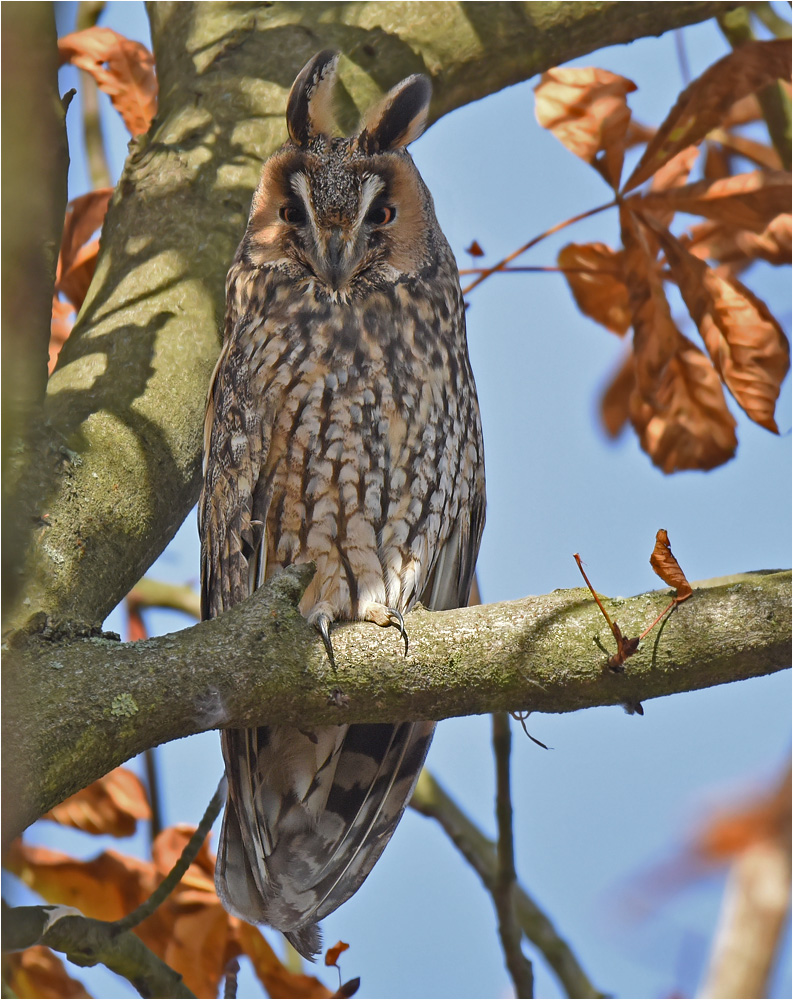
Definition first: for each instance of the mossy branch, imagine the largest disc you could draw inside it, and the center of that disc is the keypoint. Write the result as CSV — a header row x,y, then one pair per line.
x,y
77,706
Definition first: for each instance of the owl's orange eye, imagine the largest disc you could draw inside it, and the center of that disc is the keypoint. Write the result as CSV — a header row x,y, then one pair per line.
x,y
381,215
292,214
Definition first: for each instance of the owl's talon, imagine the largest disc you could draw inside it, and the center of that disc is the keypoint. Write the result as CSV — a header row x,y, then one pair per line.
x,y
322,624
396,619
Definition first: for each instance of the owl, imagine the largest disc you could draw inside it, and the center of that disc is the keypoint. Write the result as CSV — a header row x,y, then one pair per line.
x,y
342,428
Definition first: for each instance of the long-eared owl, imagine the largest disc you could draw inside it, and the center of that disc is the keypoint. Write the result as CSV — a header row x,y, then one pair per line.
x,y
342,428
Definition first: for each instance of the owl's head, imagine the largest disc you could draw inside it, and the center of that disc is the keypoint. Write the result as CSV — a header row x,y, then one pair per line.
x,y
346,214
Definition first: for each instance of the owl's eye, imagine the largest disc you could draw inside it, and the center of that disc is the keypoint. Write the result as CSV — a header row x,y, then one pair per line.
x,y
292,214
381,215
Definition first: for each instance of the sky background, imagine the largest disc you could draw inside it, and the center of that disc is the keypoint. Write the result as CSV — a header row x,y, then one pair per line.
x,y
618,798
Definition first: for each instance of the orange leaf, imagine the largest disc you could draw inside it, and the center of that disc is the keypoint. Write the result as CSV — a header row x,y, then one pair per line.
x,y
747,345
38,973
731,833
655,336
112,805
595,276
475,250
688,425
586,109
274,976
615,401
749,201
60,328
730,245
123,69
706,102
667,567
332,954
107,887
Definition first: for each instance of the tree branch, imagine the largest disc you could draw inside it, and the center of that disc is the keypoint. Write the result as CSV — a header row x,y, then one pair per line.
x,y
119,468
77,706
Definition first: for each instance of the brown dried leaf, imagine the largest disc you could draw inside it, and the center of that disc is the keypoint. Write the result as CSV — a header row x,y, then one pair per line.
x,y
749,201
748,348
123,69
655,336
667,567
39,974
706,102
594,273
586,109
63,315
332,954
615,407
765,819
757,152
113,805
475,250
107,887
84,216
688,425
274,976
730,245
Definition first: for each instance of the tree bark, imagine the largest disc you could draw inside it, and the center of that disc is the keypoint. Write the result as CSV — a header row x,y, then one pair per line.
x,y
80,706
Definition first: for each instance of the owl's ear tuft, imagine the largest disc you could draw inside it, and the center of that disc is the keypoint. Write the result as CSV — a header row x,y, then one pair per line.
x,y
309,110
399,118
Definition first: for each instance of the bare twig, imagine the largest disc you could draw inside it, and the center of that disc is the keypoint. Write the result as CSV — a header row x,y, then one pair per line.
x,y
503,890
174,876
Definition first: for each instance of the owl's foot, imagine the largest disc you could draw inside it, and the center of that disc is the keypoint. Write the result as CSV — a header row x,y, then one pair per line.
x,y
385,617
322,622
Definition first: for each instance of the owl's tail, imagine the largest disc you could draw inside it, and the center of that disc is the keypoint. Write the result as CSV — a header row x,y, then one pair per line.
x,y
308,815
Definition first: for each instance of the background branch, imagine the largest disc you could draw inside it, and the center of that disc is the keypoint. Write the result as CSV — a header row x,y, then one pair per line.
x,y
479,851
76,706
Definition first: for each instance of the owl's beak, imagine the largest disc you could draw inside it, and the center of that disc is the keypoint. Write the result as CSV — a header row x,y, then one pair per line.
x,y
338,260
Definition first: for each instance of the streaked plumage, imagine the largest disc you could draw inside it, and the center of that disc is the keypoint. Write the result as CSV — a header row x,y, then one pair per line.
x,y
342,427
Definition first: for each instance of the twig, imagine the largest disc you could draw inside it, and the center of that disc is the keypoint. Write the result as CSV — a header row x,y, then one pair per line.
x,y
503,891
88,13
479,851
153,782
533,242
174,876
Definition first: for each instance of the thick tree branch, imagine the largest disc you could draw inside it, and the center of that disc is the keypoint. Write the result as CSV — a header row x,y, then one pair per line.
x,y
119,467
77,706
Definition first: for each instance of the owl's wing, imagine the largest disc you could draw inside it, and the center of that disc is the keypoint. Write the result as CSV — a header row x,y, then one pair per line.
x,y
232,530
450,579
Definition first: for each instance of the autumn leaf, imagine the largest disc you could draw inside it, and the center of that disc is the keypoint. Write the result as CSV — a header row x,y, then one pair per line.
x,y
594,273
728,244
475,250
746,344
705,103
586,109
655,336
273,975
76,264
112,805
667,567
750,201
687,425
732,832
39,974
615,401
332,954
123,69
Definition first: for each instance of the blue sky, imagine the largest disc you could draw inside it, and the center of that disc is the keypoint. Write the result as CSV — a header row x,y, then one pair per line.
x,y
618,796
